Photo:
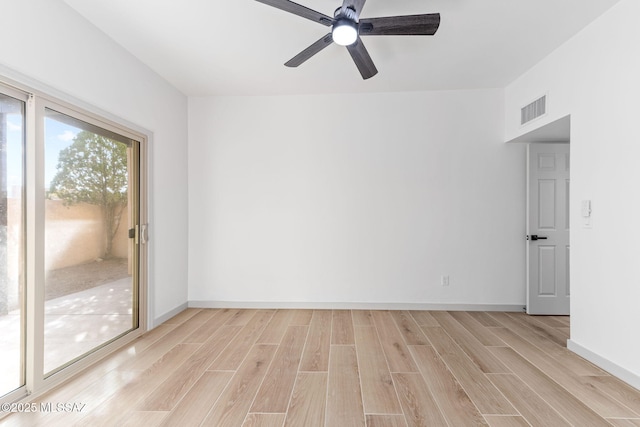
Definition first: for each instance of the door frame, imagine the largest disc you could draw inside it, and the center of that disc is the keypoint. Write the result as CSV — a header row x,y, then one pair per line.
x,y
34,195
554,132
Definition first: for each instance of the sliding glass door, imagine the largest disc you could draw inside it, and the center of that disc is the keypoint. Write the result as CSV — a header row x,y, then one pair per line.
x,y
90,258
12,143
72,253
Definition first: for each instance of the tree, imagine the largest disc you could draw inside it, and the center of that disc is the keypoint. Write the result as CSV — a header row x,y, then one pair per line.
x,y
93,169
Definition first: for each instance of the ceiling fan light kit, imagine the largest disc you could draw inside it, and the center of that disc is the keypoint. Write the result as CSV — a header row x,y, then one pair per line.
x,y
344,32
347,27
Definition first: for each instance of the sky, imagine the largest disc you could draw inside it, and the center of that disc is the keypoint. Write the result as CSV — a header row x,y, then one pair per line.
x,y
14,151
57,137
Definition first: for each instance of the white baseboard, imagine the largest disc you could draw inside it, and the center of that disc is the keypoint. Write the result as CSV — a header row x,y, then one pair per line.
x,y
356,306
615,370
168,315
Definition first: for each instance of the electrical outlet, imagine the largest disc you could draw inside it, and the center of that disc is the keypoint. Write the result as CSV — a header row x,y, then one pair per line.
x,y
444,280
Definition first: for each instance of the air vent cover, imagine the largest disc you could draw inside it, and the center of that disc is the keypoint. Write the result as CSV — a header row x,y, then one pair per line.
x,y
534,110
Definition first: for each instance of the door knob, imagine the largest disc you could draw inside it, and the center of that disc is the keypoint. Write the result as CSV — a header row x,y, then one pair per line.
x,y
536,237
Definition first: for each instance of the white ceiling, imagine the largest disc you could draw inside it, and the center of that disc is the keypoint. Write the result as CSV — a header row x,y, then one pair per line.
x,y
216,47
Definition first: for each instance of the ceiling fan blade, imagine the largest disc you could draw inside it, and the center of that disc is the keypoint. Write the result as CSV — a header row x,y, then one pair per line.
x,y
356,5
411,25
296,9
362,59
310,51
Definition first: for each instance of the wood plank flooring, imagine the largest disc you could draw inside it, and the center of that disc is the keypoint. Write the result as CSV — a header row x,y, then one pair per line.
x,y
342,368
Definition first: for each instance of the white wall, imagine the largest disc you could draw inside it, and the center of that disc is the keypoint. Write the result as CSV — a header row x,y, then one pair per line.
x,y
336,200
595,77
45,43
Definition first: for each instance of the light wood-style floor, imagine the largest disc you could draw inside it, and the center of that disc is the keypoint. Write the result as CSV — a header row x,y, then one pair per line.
x,y
342,368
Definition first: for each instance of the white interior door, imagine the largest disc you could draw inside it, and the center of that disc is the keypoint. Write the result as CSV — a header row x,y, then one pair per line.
x,y
548,229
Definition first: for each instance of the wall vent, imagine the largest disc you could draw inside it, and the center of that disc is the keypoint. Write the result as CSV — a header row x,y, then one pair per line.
x,y
534,110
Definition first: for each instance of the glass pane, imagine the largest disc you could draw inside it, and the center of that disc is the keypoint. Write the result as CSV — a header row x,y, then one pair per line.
x,y
11,243
90,261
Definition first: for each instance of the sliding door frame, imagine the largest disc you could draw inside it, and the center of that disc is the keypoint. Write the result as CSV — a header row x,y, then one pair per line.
x,y
36,102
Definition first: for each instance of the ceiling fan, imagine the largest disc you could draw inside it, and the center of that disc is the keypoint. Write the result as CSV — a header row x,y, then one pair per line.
x,y
347,27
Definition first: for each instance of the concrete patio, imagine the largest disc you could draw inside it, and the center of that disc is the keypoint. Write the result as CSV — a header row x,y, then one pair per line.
x,y
74,324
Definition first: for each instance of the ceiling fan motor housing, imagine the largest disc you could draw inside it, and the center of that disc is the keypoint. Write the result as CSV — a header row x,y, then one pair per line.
x,y
345,12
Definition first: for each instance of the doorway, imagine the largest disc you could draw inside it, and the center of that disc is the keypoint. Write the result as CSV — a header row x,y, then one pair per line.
x,y
544,260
